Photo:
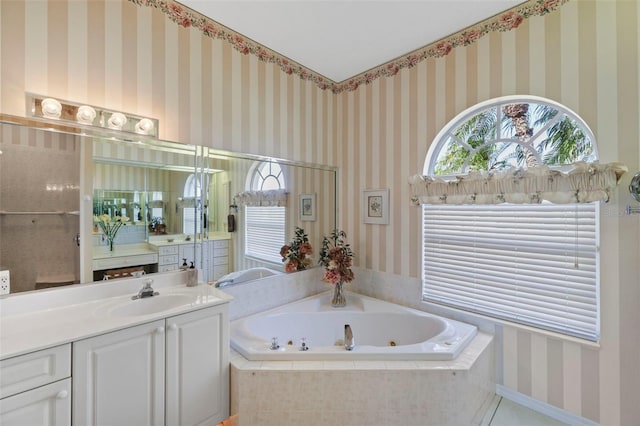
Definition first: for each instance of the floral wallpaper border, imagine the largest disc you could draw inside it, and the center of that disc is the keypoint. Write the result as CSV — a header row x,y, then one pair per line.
x,y
506,21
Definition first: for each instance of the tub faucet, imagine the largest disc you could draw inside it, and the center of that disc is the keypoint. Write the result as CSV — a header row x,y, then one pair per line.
x,y
146,290
349,342
223,283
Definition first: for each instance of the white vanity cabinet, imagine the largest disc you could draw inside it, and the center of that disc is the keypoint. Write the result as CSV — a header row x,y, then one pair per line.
x,y
35,389
118,377
166,372
197,367
218,259
168,258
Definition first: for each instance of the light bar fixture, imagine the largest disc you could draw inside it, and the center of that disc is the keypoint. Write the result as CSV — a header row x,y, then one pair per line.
x,y
47,108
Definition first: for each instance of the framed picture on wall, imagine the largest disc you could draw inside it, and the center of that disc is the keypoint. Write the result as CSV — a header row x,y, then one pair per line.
x,y
375,206
308,207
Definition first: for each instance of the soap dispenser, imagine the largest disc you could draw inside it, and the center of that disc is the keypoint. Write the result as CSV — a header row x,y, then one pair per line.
x,y
192,276
184,265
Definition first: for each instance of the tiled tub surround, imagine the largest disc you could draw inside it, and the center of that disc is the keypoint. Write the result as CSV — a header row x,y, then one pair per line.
x,y
381,393
361,392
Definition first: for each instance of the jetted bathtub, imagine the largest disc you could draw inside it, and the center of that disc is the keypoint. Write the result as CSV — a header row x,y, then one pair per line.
x,y
381,331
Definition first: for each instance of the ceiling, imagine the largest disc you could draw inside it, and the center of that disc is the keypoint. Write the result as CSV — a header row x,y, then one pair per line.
x,y
341,39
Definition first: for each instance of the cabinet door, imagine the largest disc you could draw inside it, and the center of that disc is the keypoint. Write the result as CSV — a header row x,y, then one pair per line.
x,y
118,378
198,367
48,405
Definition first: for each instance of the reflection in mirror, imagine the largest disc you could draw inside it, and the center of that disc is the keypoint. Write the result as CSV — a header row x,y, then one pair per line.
x,y
55,181
142,185
39,207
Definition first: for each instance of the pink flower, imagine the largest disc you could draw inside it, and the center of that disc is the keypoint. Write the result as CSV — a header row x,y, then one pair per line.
x,y
443,48
209,28
511,20
289,266
287,68
470,36
392,69
548,5
413,60
263,55
305,248
332,276
179,15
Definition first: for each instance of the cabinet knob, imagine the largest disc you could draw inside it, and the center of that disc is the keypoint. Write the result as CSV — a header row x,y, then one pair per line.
x,y
62,394
160,330
173,327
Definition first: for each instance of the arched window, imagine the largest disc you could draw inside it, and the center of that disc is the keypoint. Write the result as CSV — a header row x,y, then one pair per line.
x,y
535,263
265,224
510,132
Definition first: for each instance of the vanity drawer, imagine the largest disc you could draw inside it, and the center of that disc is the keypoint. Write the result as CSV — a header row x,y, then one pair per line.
x,y
168,268
168,260
220,244
35,369
220,252
220,260
166,250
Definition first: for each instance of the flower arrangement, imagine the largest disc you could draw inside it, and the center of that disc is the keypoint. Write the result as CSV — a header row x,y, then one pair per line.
x,y
109,226
295,255
336,256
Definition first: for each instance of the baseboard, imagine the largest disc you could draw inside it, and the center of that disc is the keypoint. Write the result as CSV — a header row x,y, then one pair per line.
x,y
543,408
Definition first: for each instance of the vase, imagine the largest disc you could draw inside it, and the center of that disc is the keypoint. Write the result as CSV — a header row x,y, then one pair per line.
x,y
338,300
110,241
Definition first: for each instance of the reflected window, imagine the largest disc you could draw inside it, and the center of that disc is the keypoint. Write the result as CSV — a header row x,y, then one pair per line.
x,y
191,223
265,225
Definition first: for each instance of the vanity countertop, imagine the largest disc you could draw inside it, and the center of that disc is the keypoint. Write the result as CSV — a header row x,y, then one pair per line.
x,y
123,250
163,240
37,320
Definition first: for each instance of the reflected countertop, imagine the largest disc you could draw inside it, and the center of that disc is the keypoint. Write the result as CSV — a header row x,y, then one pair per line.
x,y
123,250
163,240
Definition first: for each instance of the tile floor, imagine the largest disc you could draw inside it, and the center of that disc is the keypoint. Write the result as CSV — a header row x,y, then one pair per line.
x,y
504,412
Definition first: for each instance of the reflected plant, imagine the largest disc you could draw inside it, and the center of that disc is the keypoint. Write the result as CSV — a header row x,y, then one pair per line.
x,y
295,255
109,226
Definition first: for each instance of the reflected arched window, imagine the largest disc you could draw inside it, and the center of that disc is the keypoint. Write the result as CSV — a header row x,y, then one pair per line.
x,y
191,223
265,225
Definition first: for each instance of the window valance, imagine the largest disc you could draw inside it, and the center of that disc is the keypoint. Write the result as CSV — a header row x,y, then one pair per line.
x,y
270,198
579,182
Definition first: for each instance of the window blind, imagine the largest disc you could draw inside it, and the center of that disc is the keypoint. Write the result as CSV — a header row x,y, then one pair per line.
x,y
264,232
531,264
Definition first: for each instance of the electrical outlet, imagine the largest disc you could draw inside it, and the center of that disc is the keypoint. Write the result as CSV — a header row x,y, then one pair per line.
x,y
5,282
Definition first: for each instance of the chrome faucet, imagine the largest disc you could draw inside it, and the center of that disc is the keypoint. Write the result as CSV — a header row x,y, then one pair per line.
x,y
146,290
223,283
349,341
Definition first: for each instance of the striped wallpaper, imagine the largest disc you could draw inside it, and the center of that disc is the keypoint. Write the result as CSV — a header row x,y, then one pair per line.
x,y
584,55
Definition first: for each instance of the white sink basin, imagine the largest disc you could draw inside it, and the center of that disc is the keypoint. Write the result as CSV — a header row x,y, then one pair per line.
x,y
151,305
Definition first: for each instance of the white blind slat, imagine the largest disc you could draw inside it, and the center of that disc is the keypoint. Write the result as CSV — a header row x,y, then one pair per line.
x,y
531,264
264,232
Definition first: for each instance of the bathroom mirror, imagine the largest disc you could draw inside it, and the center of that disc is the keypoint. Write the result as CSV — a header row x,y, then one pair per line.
x,y
54,179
